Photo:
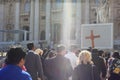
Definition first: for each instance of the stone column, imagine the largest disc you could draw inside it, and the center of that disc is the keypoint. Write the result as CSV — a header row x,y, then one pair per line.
x,y
36,19
25,35
78,22
67,22
17,19
87,12
1,20
48,8
31,20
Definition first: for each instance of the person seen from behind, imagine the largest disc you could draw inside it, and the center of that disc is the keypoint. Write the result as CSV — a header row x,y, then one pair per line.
x,y
33,63
39,51
100,63
71,55
85,70
14,61
58,67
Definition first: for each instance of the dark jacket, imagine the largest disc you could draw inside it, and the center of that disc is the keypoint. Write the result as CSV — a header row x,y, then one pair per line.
x,y
33,65
85,72
113,68
100,64
58,68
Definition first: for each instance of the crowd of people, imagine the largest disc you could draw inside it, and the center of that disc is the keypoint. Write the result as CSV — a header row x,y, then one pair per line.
x,y
60,64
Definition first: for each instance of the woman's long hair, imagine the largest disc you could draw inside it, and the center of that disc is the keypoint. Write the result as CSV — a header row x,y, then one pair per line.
x,y
85,57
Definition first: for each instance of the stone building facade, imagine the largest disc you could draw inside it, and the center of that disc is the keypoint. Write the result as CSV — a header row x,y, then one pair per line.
x,y
49,20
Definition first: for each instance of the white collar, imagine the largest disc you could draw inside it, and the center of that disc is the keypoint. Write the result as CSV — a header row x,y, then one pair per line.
x,y
31,51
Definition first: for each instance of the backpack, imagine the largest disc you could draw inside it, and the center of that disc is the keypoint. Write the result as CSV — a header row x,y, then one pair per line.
x,y
115,67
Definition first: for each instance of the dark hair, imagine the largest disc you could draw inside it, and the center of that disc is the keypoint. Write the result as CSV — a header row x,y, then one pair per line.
x,y
95,54
116,54
100,52
14,55
60,48
30,46
52,53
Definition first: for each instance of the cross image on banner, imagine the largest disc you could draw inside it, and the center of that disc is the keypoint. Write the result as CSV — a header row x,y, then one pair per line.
x,y
92,38
97,36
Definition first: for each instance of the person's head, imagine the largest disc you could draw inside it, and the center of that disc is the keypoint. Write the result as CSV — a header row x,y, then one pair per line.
x,y
94,54
30,46
116,54
15,56
84,57
94,51
61,50
77,52
100,53
89,49
52,53
73,48
39,51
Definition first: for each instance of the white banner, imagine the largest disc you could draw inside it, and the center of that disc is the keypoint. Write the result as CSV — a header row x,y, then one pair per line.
x,y
97,36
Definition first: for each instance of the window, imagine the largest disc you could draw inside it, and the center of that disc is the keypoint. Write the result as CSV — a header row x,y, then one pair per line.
x,y
27,6
27,29
25,19
57,32
42,36
43,17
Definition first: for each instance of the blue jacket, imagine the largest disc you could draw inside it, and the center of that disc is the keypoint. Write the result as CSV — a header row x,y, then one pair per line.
x,y
12,72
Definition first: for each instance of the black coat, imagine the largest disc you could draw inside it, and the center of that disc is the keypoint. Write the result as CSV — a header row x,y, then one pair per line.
x,y
101,66
58,68
85,72
33,65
